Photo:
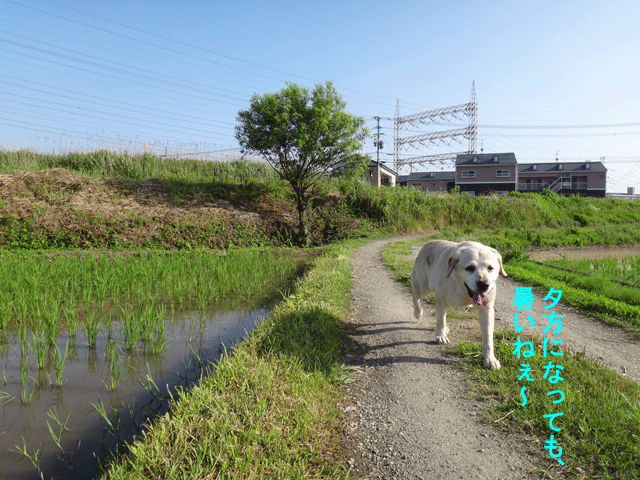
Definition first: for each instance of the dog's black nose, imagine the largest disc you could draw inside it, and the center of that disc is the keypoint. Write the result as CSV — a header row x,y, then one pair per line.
x,y
482,286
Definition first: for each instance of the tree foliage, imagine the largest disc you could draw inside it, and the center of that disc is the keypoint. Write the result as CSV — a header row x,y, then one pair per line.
x,y
303,135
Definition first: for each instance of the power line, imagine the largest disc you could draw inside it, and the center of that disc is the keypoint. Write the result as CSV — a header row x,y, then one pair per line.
x,y
209,60
567,127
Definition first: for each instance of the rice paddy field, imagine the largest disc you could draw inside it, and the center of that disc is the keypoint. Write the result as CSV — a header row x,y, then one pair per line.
x,y
607,289
626,269
93,344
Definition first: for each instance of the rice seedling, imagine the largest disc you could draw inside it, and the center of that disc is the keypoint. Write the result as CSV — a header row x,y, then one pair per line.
x,y
159,340
116,371
20,307
33,455
5,398
40,348
71,317
131,328
59,362
5,310
101,289
56,433
50,324
147,321
102,411
87,296
24,343
38,307
148,383
110,346
27,391
626,269
91,328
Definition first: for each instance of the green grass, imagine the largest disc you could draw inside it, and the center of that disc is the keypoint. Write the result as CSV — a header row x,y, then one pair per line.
x,y
600,425
268,411
601,422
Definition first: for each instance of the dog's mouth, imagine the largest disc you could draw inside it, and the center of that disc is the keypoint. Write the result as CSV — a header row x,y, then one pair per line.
x,y
479,298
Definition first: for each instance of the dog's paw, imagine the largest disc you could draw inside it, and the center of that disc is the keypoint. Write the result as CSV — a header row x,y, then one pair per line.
x,y
442,339
492,363
417,312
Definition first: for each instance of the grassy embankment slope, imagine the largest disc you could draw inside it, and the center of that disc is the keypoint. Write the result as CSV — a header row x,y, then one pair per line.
x,y
272,406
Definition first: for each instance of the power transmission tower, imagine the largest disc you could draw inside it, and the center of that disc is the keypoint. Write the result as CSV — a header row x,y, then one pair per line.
x,y
442,137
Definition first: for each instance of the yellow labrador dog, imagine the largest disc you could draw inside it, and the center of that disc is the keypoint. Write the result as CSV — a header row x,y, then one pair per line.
x,y
459,274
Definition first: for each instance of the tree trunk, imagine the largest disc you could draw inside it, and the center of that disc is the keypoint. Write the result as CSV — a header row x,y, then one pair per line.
x,y
302,227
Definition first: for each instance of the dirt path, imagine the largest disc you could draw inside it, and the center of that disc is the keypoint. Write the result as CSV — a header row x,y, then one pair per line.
x,y
410,417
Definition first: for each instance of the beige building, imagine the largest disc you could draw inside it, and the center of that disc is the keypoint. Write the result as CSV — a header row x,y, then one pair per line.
x,y
582,178
479,173
484,173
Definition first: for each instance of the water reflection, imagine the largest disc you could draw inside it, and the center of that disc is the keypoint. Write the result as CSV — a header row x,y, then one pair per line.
x,y
34,412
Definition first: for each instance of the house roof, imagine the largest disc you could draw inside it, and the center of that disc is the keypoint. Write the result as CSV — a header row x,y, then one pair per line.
x,y
485,159
450,175
559,167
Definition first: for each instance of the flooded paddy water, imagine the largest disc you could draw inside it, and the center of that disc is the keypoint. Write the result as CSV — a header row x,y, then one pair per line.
x,y
70,413
85,362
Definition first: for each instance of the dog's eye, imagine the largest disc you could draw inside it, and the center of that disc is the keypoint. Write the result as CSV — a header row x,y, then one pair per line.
x,y
490,268
470,268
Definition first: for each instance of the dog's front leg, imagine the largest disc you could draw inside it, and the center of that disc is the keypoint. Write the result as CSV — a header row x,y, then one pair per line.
x,y
441,323
485,317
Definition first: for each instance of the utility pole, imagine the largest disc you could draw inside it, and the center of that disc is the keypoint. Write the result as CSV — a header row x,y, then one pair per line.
x,y
378,144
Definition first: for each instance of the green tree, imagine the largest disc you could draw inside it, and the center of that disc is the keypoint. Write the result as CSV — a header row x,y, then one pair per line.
x,y
303,135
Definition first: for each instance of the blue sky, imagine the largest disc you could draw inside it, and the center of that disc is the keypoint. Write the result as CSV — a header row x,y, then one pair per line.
x,y
553,78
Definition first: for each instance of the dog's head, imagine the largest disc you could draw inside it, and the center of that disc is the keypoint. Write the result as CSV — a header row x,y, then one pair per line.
x,y
478,267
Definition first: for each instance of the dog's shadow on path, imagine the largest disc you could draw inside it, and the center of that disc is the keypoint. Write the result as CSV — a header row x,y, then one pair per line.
x,y
363,353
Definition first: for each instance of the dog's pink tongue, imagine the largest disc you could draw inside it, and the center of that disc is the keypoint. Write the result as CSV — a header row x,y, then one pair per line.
x,y
480,299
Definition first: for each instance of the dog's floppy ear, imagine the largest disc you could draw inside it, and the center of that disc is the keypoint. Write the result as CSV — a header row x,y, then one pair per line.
x,y
453,261
500,262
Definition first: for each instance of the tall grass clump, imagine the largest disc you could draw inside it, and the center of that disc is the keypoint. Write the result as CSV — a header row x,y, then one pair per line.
x,y
406,209
104,163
